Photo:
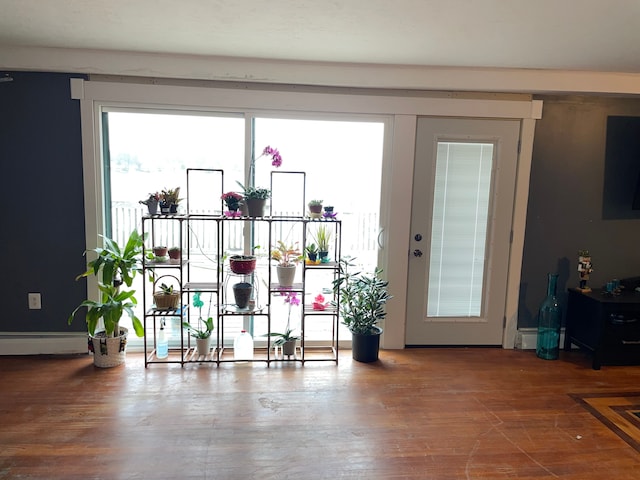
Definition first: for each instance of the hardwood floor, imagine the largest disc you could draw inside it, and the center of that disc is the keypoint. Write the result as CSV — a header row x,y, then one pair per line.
x,y
417,414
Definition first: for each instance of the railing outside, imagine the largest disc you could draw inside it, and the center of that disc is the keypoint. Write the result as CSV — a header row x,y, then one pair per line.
x,y
359,232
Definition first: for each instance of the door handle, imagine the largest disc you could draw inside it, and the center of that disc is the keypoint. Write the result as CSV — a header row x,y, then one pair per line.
x,y
417,253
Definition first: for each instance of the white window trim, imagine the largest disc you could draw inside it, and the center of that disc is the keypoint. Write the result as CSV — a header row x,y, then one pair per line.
x,y
400,114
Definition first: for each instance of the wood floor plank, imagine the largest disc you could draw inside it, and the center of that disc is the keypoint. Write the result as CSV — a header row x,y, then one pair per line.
x,y
468,413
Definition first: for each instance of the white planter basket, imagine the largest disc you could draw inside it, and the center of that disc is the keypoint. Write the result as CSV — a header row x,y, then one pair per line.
x,y
109,352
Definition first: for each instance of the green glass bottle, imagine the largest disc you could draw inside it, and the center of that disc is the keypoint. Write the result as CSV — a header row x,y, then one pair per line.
x,y
549,322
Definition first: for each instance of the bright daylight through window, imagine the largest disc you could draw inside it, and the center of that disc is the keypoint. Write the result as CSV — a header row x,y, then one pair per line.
x,y
148,152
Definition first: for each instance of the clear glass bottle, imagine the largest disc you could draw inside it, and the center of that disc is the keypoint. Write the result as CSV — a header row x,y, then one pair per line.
x,y
549,322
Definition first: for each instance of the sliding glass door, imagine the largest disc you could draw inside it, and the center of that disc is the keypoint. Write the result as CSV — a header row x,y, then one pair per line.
x,y
147,150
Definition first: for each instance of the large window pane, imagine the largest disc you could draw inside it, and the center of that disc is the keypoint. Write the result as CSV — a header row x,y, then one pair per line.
x,y
149,152
343,163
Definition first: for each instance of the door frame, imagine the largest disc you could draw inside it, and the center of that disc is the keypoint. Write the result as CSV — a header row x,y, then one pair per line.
x,y
403,158
401,108
485,327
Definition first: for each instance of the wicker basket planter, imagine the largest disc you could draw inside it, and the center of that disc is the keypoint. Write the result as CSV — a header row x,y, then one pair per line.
x,y
108,352
166,301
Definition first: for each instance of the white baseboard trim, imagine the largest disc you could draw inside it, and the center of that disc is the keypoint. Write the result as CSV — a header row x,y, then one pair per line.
x,y
42,343
53,343
526,338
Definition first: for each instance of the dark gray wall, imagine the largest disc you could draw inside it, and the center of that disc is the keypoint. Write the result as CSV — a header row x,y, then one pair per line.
x,y
568,201
43,218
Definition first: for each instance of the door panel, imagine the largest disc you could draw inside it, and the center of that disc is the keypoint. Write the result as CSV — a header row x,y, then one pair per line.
x,y
464,182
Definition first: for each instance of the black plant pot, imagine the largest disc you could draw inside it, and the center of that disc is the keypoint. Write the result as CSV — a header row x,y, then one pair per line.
x,y
365,348
242,294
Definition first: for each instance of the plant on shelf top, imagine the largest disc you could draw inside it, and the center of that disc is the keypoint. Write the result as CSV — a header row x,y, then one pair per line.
x,y
286,255
232,200
315,203
171,196
362,298
257,193
311,248
151,199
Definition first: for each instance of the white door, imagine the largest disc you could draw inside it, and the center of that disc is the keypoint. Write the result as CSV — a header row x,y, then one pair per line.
x,y
464,183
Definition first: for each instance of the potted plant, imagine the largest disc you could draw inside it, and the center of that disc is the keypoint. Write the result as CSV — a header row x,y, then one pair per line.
x,y
242,292
242,264
361,307
166,298
312,254
174,253
255,200
323,237
315,208
203,337
287,256
151,202
233,201
287,340
160,251
169,200
114,267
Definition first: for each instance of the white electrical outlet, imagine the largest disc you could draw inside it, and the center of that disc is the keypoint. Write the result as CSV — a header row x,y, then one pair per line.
x,y
35,301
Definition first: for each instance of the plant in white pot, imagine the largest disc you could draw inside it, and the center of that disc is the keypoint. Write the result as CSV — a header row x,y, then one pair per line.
x,y
203,337
287,256
114,267
362,307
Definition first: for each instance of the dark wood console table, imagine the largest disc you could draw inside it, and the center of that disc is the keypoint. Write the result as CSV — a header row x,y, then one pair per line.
x,y
607,325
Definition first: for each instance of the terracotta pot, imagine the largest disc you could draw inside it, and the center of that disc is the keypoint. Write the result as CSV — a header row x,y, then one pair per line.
x,y
160,251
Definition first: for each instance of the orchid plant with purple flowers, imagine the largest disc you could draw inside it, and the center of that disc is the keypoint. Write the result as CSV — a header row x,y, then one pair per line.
x,y
294,301
253,192
276,158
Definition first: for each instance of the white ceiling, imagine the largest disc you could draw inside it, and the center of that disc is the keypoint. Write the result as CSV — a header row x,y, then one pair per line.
x,y
592,35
